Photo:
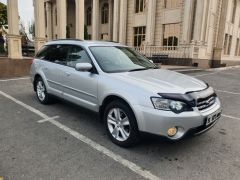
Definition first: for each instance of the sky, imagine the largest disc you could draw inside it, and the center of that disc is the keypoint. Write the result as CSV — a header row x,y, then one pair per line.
x,y
25,9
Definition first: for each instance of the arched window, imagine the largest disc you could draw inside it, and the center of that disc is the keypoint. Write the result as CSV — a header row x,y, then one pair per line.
x,y
171,33
89,16
105,13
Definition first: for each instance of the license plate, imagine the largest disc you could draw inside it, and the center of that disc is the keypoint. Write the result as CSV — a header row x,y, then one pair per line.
x,y
213,117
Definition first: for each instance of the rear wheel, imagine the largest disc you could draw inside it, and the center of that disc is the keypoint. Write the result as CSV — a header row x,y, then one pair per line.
x,y
121,124
41,91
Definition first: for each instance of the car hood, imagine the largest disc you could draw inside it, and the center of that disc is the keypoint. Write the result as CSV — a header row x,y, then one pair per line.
x,y
161,81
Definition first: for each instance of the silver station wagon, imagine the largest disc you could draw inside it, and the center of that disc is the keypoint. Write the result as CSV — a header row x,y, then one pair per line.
x,y
131,94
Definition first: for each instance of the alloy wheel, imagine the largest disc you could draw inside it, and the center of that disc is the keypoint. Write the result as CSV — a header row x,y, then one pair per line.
x,y
118,124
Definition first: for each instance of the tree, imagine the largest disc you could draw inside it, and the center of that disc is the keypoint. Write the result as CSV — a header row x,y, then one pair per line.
x,y
22,29
3,14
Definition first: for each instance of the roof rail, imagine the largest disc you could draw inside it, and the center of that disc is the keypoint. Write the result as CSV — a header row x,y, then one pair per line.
x,y
112,41
67,40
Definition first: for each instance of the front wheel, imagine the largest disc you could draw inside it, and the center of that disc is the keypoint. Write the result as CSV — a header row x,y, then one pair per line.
x,y
121,124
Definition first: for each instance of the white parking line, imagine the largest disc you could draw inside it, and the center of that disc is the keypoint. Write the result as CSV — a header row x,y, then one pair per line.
x,y
126,163
15,79
132,166
229,92
45,120
230,117
44,116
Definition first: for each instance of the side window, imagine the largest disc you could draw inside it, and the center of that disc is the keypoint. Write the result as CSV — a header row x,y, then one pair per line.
x,y
42,53
61,54
57,54
76,55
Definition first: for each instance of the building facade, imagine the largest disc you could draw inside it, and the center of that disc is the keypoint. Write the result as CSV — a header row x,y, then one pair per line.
x,y
205,33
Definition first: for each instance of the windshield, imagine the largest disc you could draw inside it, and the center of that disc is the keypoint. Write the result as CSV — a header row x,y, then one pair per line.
x,y
120,59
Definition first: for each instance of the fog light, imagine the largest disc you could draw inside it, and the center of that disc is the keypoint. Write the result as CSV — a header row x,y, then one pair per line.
x,y
172,131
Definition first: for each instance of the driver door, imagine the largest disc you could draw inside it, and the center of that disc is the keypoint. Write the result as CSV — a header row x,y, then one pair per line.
x,y
79,87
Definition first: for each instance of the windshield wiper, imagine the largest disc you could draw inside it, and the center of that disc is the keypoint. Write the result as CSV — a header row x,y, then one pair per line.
x,y
138,69
143,69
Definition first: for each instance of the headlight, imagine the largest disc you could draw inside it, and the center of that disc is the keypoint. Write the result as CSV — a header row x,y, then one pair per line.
x,y
169,105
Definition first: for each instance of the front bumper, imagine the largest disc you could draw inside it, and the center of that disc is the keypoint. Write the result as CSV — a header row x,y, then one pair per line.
x,y
158,122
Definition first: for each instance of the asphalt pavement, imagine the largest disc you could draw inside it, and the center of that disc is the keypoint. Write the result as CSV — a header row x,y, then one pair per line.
x,y
64,141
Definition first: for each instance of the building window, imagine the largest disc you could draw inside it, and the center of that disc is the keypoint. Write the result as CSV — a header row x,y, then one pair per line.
x,y
171,34
171,4
233,11
56,23
104,36
89,37
140,6
105,13
45,14
139,35
89,16
227,44
237,51
239,23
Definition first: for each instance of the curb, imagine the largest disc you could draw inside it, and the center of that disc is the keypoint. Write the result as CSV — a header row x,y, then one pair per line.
x,y
187,70
200,70
223,68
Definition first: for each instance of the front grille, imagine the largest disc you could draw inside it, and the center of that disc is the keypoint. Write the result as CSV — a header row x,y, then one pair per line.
x,y
205,103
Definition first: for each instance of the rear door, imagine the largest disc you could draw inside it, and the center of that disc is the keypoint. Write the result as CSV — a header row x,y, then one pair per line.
x,y
53,65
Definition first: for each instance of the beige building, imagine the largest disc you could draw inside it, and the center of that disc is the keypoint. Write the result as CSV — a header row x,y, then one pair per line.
x,y
203,33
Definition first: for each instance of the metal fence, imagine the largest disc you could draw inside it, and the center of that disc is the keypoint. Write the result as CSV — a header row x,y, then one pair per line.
x,y
175,52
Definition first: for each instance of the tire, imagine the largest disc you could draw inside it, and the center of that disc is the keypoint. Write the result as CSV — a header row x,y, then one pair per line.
x,y
122,131
41,91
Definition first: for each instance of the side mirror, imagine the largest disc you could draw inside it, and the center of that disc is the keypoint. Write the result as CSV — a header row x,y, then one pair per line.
x,y
151,61
83,67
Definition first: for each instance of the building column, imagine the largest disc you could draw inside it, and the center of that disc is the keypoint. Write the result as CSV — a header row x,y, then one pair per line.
x,y
14,39
95,20
123,21
39,24
49,20
218,49
151,16
199,18
80,14
61,18
110,26
204,21
115,20
187,21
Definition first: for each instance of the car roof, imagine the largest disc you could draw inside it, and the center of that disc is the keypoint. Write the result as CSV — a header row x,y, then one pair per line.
x,y
85,43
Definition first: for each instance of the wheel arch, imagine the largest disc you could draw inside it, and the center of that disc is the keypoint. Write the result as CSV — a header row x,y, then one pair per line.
x,y
108,99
